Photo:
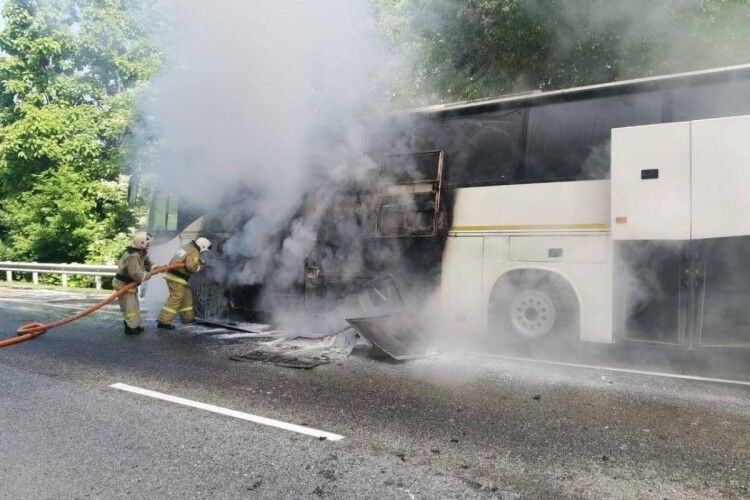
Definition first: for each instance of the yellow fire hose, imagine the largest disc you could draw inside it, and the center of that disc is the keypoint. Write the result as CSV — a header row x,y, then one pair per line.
x,y
31,330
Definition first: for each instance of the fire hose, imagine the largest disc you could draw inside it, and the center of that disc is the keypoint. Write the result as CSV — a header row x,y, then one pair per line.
x,y
31,330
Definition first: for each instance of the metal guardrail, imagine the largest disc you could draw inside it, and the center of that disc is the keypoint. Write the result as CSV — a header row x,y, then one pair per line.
x,y
65,270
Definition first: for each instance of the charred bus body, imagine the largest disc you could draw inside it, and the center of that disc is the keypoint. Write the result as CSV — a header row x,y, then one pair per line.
x,y
503,208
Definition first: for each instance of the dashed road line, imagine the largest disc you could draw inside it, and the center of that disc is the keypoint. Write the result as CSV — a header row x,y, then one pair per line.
x,y
308,431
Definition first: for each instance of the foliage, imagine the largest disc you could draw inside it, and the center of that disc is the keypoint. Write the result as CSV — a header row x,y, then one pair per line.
x,y
69,74
468,49
66,217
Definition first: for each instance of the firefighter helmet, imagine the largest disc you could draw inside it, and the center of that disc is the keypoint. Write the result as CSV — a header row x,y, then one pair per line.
x,y
203,244
141,240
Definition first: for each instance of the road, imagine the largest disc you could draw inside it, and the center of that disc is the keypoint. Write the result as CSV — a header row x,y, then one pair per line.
x,y
457,425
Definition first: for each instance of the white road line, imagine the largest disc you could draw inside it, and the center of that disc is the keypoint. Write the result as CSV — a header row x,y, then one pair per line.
x,y
230,413
622,370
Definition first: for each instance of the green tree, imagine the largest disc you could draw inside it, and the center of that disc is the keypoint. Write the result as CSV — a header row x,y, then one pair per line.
x,y
69,74
468,49
64,215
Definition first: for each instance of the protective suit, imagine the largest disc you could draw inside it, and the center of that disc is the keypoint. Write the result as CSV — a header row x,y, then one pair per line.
x,y
180,300
134,265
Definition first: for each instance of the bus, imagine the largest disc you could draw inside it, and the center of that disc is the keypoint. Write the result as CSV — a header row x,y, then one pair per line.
x,y
607,213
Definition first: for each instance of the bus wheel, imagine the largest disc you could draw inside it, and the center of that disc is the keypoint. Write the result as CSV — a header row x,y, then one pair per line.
x,y
532,313
529,305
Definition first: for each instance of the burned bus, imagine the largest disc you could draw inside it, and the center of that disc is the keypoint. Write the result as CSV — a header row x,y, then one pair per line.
x,y
607,213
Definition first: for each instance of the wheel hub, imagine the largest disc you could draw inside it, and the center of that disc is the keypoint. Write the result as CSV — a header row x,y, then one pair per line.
x,y
532,313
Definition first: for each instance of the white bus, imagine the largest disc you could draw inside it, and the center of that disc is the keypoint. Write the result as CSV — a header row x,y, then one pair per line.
x,y
608,213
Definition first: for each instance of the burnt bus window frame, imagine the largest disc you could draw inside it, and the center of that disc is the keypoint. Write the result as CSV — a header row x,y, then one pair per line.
x,y
398,189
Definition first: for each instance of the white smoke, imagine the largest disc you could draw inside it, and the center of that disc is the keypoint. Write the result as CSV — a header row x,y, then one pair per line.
x,y
268,98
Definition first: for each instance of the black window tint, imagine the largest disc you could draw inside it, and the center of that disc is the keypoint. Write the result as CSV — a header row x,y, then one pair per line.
x,y
713,100
571,140
482,148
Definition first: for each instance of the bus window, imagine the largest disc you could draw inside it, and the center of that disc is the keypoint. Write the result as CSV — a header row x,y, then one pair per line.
x,y
571,140
480,149
164,212
712,100
409,200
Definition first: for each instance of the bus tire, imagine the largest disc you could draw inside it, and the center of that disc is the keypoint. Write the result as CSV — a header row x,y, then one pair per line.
x,y
532,306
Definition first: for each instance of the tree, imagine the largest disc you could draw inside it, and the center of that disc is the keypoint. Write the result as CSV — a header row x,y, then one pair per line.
x,y
66,217
69,75
468,49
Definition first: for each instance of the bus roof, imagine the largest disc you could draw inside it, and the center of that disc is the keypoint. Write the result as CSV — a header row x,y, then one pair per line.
x,y
638,84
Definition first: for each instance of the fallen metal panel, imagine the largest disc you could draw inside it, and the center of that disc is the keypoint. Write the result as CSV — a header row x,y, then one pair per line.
x,y
398,335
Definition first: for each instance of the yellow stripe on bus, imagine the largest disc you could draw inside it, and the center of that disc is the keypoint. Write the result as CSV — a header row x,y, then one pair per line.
x,y
532,227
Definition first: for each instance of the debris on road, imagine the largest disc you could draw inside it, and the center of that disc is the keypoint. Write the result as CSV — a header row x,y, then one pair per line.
x,y
302,352
398,335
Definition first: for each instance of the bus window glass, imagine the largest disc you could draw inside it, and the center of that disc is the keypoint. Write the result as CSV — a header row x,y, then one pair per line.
x,y
480,149
570,140
158,213
712,100
164,214
173,207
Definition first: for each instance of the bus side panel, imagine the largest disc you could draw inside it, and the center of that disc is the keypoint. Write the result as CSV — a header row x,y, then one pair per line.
x,y
461,285
529,220
553,206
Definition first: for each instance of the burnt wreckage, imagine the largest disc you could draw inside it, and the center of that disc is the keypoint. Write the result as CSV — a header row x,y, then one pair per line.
x,y
374,241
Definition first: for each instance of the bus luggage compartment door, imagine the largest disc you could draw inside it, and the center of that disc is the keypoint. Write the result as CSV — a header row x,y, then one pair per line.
x,y
695,191
721,221
652,286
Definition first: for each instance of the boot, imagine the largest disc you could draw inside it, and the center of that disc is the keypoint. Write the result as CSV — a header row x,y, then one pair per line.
x,y
164,326
132,331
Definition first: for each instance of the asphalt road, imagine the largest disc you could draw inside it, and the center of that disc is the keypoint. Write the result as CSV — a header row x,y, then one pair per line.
x,y
456,425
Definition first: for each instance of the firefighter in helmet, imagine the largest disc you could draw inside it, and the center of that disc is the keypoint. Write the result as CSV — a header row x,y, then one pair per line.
x,y
180,298
134,265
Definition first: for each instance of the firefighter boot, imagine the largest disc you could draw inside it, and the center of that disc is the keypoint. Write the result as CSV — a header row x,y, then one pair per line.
x,y
132,331
164,326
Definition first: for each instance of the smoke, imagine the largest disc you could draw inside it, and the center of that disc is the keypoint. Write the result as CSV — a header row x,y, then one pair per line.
x,y
647,37
259,105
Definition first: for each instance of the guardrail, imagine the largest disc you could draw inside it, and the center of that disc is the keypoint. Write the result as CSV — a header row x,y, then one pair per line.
x,y
35,268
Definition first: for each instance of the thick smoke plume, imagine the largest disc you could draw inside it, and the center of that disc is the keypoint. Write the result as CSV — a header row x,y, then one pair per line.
x,y
260,104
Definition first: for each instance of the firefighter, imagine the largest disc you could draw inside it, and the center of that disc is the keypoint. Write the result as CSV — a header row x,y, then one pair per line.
x,y
134,265
180,298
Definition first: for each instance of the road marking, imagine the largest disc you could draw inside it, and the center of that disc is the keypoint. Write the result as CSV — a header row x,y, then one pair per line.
x,y
622,370
308,431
